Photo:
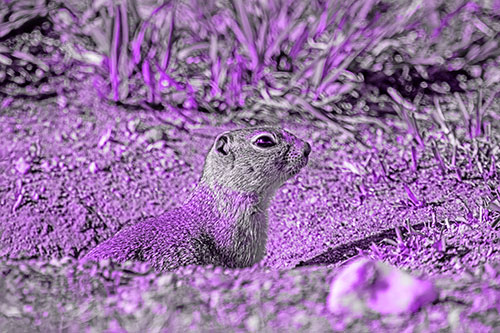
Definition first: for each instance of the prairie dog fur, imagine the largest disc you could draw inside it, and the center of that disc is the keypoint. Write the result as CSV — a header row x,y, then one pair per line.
x,y
224,221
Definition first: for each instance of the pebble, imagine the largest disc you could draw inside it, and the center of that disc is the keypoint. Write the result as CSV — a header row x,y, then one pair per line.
x,y
22,166
104,138
368,286
93,168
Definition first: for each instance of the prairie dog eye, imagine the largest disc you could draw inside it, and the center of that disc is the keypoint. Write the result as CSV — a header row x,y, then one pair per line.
x,y
265,141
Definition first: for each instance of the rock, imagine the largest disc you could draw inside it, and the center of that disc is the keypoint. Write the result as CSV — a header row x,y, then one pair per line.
x,y
104,138
22,166
93,168
366,285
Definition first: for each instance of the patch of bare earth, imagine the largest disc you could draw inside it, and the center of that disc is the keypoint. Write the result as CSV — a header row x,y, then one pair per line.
x,y
73,176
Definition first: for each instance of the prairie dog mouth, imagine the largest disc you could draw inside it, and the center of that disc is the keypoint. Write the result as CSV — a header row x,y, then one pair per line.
x,y
297,160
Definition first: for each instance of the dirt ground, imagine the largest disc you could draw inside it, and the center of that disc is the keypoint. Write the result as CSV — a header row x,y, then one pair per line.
x,y
73,172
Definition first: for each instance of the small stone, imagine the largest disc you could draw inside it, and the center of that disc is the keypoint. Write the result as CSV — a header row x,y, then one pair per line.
x,y
132,125
22,166
62,101
153,135
93,168
156,145
104,138
366,286
252,323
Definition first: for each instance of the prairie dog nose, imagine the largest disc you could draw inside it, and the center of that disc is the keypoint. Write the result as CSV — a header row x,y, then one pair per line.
x,y
307,149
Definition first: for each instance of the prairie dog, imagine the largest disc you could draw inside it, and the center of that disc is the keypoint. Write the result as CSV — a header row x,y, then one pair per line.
x,y
224,221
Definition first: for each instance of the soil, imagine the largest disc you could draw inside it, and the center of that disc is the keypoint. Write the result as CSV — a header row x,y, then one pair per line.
x,y
72,173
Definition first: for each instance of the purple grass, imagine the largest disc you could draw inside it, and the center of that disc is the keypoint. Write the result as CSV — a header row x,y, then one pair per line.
x,y
246,35
493,170
413,198
414,159
148,80
114,56
439,159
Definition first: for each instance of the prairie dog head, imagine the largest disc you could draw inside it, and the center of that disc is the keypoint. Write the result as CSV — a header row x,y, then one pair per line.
x,y
254,160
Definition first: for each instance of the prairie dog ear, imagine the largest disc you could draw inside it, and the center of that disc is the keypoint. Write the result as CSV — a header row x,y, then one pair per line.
x,y
222,144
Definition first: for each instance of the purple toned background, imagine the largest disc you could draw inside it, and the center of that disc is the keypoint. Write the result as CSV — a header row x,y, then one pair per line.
x,y
107,110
